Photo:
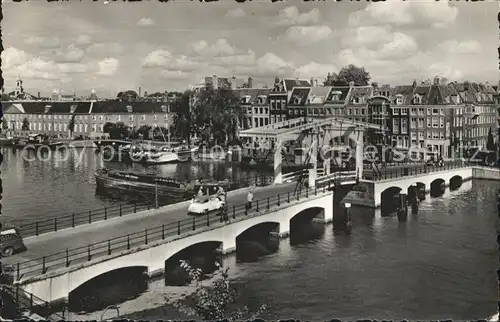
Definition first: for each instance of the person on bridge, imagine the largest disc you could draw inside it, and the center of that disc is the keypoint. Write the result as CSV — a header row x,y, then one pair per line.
x,y
221,193
249,199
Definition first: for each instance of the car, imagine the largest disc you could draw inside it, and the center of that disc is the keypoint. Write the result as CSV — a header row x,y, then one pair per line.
x,y
206,204
11,242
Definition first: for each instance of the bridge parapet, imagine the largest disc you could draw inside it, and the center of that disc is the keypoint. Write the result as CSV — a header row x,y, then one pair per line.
x,y
74,259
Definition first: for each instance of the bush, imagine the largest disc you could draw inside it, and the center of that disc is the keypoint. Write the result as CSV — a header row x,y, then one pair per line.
x,y
213,303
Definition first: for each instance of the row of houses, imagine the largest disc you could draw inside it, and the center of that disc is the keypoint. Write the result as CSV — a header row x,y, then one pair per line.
x,y
89,116
433,116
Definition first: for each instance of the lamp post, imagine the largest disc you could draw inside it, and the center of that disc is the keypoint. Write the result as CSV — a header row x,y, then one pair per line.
x,y
347,218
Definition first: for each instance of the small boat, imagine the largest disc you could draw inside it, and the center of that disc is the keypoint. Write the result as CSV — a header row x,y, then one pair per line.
x,y
149,183
36,141
167,153
110,143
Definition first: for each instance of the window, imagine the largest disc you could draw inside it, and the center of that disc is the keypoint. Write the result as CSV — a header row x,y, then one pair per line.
x,y
429,121
441,122
434,111
413,123
399,99
395,111
435,135
441,135
413,135
416,99
404,111
100,117
413,111
155,117
119,117
441,111
420,122
420,135
429,135
429,111
404,126
395,126
435,122
131,118
421,111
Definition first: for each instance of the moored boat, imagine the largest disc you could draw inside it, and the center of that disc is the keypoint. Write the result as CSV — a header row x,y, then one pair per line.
x,y
148,183
151,154
37,141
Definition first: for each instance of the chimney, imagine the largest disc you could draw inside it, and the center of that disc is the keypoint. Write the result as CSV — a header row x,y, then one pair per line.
x,y
316,82
250,85
139,91
414,83
351,84
38,94
312,82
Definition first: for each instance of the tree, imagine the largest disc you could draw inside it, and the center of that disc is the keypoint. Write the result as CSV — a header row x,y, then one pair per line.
x,y
116,130
183,125
217,114
26,124
71,125
490,144
213,303
350,73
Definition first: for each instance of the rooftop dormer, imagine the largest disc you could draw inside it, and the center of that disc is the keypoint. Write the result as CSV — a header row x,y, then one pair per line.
x,y
262,99
47,108
245,99
164,108
129,108
417,99
399,99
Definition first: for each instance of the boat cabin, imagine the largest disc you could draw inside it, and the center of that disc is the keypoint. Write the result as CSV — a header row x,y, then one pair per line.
x,y
36,138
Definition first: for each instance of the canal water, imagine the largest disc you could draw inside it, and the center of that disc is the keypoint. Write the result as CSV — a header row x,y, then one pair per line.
x,y
440,263
61,182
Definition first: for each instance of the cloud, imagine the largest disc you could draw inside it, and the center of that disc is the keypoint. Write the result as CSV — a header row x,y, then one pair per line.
x,y
43,42
175,75
157,58
272,65
394,12
12,57
104,49
71,54
461,47
108,66
16,62
291,16
242,59
236,13
145,22
83,40
316,70
307,35
220,48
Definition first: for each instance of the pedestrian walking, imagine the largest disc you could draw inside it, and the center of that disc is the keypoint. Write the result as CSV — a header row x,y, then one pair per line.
x,y
249,199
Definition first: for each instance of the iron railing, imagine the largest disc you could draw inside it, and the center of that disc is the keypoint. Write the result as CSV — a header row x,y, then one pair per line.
x,y
26,301
411,171
54,224
88,252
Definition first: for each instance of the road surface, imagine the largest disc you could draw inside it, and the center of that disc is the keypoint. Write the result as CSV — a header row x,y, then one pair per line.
x,y
47,244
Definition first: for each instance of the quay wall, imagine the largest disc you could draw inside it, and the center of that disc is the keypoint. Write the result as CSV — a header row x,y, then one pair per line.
x,y
485,173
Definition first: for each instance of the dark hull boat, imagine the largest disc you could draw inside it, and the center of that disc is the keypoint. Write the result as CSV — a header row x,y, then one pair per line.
x,y
144,183
110,143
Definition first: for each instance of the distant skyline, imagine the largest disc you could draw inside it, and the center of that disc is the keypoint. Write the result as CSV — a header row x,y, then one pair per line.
x,y
77,46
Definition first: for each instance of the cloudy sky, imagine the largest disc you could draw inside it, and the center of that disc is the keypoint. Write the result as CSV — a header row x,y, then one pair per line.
x,y
76,46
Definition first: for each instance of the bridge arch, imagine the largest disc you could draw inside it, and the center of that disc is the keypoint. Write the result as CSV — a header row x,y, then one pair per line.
x,y
455,182
389,199
79,278
307,215
202,255
258,240
438,187
416,189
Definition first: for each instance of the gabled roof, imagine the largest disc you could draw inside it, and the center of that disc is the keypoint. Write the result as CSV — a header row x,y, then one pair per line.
x,y
423,91
406,92
359,92
299,96
254,94
318,95
342,90
289,84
